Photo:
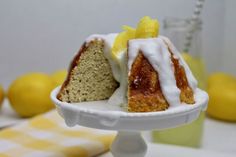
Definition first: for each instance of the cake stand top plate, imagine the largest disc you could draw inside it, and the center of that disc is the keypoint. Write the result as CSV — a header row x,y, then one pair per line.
x,y
100,115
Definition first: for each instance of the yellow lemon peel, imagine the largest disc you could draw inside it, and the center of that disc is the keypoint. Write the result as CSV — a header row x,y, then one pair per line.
x,y
146,28
120,44
29,94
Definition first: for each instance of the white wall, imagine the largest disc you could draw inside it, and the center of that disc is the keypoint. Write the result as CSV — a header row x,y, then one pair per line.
x,y
43,35
229,50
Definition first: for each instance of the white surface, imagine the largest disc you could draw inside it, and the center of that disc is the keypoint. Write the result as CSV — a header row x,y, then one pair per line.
x,y
219,136
100,115
160,150
33,33
8,116
228,59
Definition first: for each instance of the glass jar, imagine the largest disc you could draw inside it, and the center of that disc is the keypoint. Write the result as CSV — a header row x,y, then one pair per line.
x,y
177,30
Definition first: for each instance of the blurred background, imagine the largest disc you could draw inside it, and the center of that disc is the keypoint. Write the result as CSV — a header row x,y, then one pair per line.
x,y
44,35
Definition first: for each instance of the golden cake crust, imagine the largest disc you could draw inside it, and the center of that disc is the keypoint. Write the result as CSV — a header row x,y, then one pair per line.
x,y
186,92
144,93
71,67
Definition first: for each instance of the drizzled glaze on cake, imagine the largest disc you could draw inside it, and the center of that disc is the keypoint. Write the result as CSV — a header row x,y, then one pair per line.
x,y
160,78
171,71
176,80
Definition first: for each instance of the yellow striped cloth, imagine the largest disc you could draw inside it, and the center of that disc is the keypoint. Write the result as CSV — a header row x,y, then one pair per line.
x,y
48,136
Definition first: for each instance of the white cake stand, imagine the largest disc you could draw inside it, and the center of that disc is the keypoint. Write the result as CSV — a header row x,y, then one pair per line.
x,y
128,142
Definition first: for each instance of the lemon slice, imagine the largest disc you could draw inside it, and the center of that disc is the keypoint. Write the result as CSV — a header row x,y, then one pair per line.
x,y
147,28
120,44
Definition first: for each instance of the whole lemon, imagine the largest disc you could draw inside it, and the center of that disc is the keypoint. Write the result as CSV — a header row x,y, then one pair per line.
x,y
58,77
29,94
222,94
220,79
1,95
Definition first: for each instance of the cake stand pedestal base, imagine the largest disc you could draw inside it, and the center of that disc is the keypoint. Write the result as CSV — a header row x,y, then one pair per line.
x,y
128,144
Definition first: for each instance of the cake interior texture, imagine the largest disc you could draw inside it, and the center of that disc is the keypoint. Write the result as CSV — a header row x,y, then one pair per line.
x,y
186,93
145,93
90,76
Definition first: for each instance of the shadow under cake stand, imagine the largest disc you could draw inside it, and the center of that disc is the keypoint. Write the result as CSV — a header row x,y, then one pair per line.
x,y
128,142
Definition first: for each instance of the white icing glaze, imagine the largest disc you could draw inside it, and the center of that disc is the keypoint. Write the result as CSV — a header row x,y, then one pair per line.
x,y
119,97
108,43
156,52
191,79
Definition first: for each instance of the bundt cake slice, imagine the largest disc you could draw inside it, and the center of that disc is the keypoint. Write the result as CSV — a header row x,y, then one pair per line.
x,y
157,76
90,76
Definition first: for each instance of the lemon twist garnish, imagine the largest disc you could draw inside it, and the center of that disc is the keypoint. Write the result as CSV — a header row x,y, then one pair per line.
x,y
146,28
120,44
